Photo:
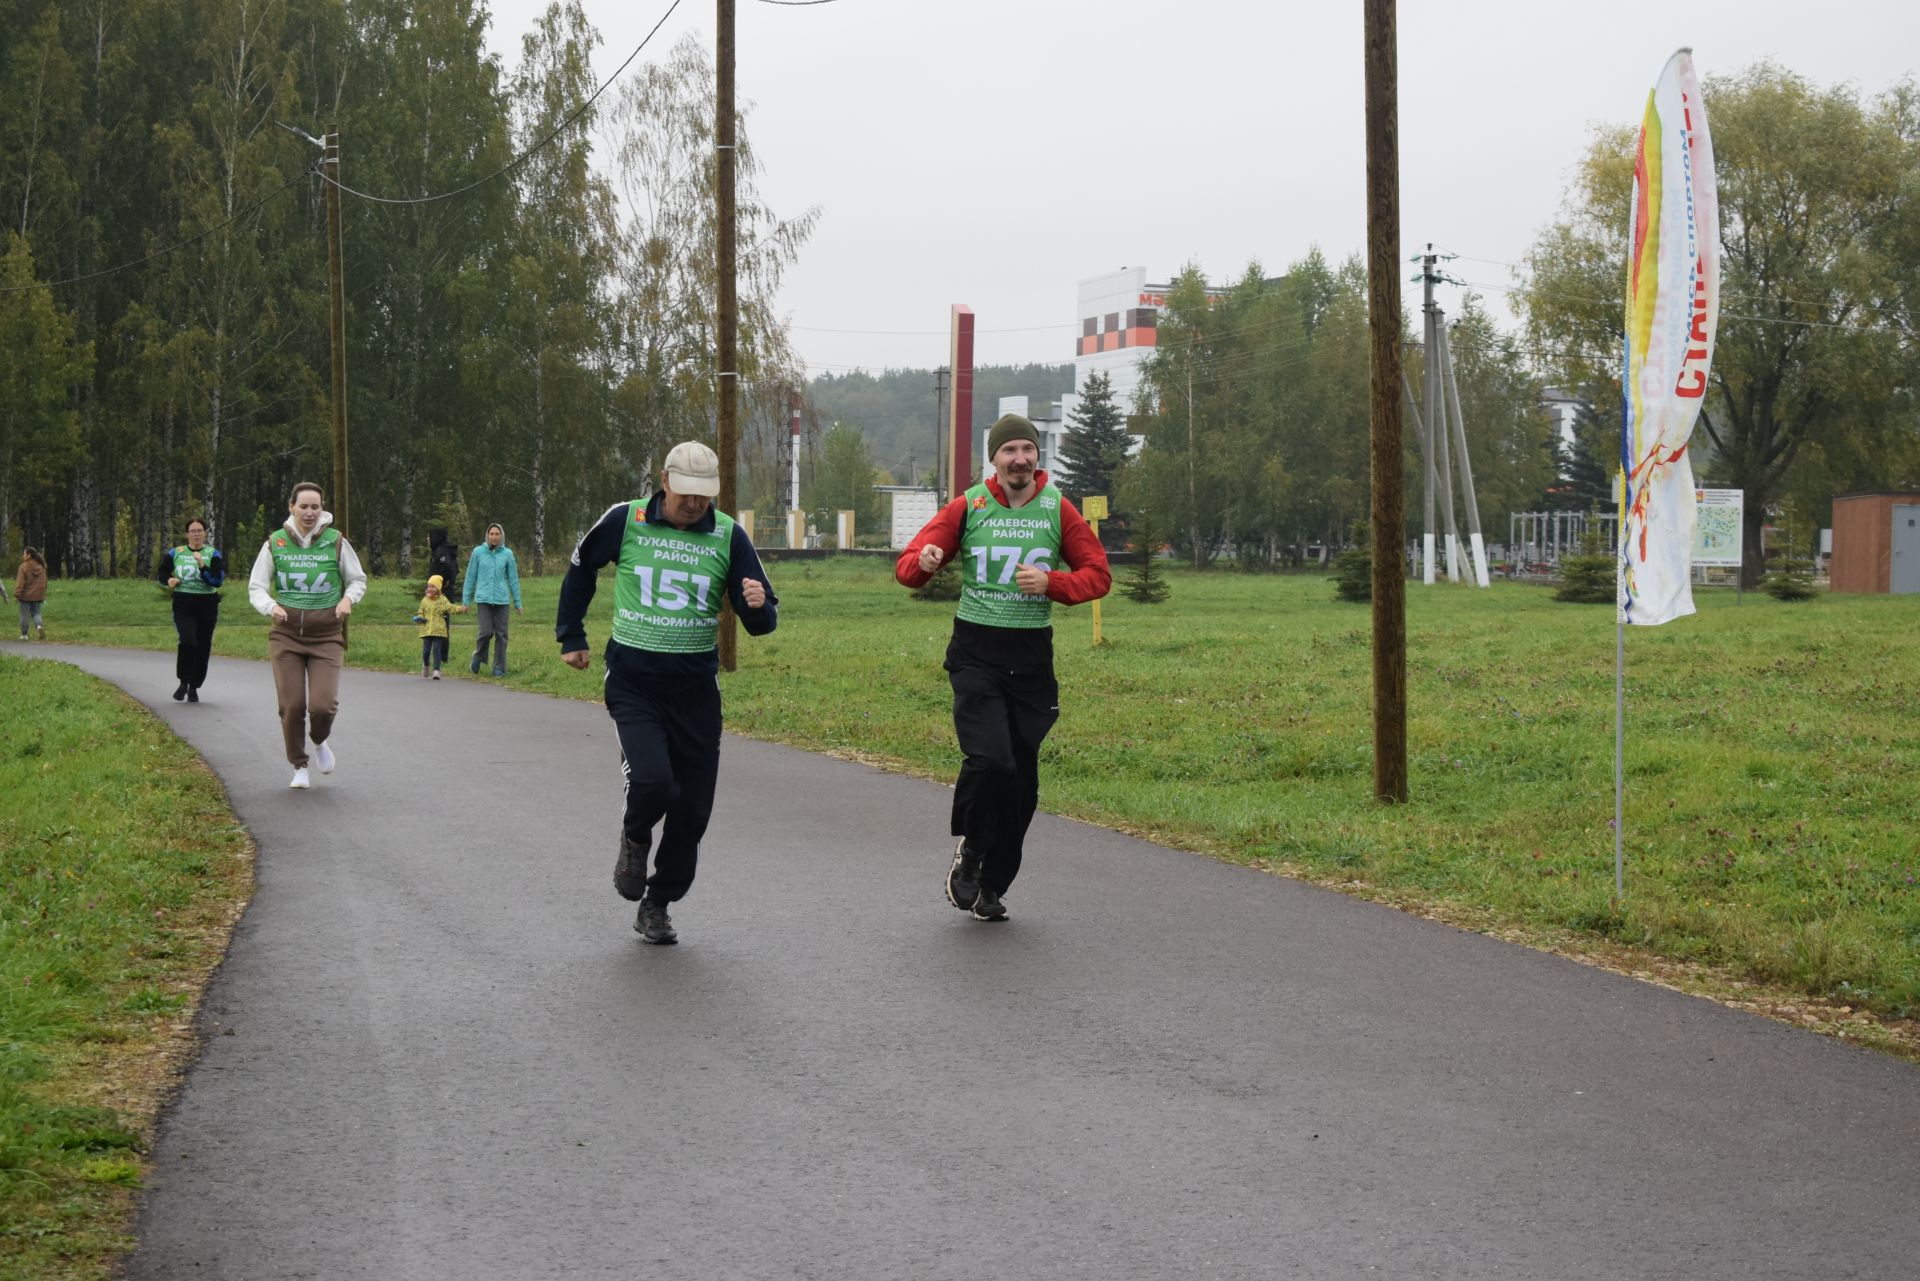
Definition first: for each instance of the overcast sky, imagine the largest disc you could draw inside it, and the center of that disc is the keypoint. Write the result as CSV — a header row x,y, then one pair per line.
x,y
996,152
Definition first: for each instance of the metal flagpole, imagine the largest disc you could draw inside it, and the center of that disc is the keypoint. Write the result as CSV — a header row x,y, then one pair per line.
x,y
1619,700
1619,760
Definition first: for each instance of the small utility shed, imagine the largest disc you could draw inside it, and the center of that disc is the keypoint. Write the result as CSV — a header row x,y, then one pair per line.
x,y
1876,543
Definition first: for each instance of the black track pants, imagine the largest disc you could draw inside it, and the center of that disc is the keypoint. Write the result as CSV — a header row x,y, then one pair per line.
x,y
195,615
998,790
670,755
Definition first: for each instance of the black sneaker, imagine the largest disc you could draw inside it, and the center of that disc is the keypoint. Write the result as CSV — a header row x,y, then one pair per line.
x,y
630,871
179,695
963,878
988,907
193,695
653,925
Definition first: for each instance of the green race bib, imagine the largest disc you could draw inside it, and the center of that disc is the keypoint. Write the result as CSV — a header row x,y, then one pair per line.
x,y
307,577
994,544
188,565
671,584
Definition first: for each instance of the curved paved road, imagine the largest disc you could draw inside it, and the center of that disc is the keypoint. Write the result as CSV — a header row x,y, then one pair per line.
x,y
436,1050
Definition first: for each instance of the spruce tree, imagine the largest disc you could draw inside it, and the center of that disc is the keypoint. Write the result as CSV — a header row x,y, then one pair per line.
x,y
1095,447
1147,585
1591,577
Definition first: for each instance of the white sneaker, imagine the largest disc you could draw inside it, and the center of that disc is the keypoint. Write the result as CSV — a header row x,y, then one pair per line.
x,y
323,757
300,778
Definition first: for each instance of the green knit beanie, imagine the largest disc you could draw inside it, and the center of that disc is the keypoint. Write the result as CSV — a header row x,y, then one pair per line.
x,y
1010,427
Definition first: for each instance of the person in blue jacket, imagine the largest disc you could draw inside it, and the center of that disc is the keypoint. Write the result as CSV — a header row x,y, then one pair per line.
x,y
193,572
677,560
493,583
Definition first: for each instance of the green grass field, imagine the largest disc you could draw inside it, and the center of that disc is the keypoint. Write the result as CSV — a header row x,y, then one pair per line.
x,y
1773,794
122,871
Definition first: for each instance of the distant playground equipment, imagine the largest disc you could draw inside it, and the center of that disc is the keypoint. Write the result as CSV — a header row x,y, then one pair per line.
x,y
1538,541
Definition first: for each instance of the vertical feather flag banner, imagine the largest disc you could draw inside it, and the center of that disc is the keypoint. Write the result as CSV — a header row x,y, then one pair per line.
x,y
1673,310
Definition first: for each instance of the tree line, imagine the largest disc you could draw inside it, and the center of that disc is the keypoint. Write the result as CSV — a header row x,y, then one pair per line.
x,y
529,321
1254,406
523,351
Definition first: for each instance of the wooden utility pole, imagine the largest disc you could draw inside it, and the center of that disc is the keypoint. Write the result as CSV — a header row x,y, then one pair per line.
x,y
727,361
337,290
1383,329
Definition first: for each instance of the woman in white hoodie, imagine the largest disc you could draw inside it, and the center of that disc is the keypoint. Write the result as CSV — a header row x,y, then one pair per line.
x,y
307,580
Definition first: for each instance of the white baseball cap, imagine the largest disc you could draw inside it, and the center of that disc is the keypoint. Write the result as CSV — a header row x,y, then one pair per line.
x,y
692,468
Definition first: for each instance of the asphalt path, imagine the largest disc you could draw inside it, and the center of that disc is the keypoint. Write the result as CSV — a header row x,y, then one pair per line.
x,y
436,1049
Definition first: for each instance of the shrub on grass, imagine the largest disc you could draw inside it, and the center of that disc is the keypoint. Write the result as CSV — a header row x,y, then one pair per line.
x,y
944,585
1789,579
1352,576
1147,585
1590,577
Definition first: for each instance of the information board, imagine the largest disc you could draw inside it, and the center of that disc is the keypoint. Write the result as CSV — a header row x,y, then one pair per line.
x,y
1718,517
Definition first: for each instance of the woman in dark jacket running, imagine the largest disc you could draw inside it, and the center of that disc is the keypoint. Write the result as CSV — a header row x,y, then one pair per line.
x,y
193,572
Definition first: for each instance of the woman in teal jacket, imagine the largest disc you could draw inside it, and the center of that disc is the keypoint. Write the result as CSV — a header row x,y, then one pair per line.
x,y
493,583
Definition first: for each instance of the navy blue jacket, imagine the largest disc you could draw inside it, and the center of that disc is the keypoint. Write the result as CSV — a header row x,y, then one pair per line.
x,y
601,546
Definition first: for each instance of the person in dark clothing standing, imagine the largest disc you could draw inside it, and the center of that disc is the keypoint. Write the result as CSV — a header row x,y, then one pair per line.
x,y
193,572
677,560
1022,547
443,559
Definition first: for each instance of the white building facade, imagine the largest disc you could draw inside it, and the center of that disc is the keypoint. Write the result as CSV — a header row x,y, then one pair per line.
x,y
1119,315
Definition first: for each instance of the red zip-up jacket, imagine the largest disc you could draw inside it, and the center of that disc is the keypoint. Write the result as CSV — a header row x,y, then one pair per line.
x,y
1089,579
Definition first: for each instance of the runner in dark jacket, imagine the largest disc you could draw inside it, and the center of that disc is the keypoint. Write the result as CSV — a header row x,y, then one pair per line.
x,y
677,560
193,573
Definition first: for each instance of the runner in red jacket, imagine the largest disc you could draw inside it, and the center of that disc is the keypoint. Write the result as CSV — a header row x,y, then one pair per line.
x,y
1021,547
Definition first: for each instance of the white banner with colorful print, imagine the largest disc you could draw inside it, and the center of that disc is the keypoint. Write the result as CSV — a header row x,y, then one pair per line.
x,y
1673,309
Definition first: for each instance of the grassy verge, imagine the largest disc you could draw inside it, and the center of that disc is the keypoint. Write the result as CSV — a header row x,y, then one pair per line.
x,y
1773,761
121,873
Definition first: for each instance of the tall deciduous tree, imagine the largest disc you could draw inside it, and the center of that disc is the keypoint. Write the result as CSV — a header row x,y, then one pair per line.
x,y
40,369
550,360
666,263
1509,435
844,480
222,297
438,124
1815,357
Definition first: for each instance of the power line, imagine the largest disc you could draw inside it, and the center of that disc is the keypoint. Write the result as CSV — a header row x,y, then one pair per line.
x,y
158,253
520,159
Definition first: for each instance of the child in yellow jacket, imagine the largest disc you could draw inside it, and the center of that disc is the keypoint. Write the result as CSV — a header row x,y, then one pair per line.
x,y
433,615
